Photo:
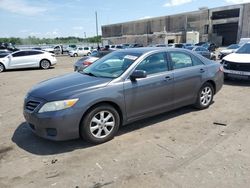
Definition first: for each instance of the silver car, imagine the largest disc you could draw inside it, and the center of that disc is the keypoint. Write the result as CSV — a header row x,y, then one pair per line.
x,y
122,87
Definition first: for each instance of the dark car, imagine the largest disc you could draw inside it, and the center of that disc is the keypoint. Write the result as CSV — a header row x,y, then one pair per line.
x,y
88,60
202,51
120,88
135,45
209,46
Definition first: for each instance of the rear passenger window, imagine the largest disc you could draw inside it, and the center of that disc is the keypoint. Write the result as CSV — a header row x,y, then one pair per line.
x,y
180,60
155,63
34,53
196,61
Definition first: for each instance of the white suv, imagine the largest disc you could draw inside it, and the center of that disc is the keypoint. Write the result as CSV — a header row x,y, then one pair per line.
x,y
80,51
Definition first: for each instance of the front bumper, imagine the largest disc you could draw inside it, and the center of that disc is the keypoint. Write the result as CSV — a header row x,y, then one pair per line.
x,y
58,125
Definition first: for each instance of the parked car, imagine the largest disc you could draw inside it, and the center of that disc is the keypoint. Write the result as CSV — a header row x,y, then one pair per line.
x,y
209,46
122,87
80,51
4,51
135,45
8,46
176,45
244,40
161,45
125,45
88,60
187,45
202,51
27,59
237,64
230,49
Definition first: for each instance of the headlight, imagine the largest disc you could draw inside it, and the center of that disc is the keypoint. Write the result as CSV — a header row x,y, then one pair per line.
x,y
57,105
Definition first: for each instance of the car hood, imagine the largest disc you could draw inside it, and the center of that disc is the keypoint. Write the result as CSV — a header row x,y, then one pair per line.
x,y
66,86
238,58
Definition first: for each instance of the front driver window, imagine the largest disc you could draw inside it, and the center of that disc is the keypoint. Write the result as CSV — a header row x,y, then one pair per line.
x,y
155,63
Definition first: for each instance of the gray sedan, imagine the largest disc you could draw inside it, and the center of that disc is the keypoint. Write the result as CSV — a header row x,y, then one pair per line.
x,y
122,87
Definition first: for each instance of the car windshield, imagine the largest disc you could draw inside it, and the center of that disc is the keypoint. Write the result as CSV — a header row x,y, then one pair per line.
x,y
112,65
233,46
245,49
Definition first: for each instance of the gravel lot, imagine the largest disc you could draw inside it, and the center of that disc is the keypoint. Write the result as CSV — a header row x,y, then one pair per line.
x,y
182,148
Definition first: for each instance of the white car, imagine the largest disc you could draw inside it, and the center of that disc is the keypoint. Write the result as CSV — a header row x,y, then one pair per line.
x,y
230,49
237,64
27,59
80,51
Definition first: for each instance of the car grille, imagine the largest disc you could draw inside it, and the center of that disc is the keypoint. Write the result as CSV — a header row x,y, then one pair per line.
x,y
237,66
31,105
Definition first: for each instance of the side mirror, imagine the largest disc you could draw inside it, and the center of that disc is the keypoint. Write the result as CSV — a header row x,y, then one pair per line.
x,y
138,74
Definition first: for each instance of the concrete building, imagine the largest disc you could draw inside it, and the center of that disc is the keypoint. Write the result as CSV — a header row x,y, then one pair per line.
x,y
223,26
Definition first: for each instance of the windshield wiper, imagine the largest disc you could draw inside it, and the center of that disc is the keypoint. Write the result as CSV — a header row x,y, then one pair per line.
x,y
89,73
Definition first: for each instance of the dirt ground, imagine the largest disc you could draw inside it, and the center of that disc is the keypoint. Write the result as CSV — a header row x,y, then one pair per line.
x,y
182,148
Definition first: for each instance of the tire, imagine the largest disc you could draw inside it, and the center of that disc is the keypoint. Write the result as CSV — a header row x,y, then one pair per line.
x,y
103,129
45,64
2,67
88,54
75,55
205,96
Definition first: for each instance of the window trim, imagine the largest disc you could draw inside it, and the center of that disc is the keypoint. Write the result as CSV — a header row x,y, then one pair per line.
x,y
190,55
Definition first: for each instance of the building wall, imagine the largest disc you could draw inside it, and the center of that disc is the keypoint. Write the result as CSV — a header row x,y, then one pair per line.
x,y
156,30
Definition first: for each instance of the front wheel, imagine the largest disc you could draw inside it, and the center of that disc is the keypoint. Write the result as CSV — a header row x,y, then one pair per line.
x,y
205,96
100,124
2,68
45,64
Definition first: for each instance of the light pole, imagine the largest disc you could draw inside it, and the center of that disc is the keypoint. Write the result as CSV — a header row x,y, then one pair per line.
x,y
96,21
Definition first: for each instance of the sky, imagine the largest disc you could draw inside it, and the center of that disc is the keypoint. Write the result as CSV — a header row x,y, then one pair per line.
x,y
62,18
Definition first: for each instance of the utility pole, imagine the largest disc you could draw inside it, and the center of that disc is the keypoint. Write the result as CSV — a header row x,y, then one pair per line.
x,y
96,27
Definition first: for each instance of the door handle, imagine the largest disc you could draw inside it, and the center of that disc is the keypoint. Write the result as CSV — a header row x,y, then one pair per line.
x,y
202,70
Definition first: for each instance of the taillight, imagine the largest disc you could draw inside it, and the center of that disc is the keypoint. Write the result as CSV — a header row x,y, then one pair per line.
x,y
87,63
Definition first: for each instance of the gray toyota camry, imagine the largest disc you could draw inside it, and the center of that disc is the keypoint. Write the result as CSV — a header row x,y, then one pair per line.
x,y
122,87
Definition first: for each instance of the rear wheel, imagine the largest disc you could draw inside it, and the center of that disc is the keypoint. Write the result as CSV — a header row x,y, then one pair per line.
x,y
100,124
88,54
45,64
75,55
205,96
2,68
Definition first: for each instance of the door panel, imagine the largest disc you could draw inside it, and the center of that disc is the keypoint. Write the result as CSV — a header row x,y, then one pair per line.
x,y
189,73
152,94
148,95
187,82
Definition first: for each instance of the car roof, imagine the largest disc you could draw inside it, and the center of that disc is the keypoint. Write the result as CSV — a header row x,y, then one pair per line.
x,y
144,50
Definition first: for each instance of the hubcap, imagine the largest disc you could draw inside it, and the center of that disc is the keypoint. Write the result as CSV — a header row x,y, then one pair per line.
x,y
206,96
1,68
102,124
45,64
